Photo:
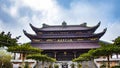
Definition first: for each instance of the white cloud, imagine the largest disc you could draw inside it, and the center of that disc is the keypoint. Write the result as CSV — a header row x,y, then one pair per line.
x,y
51,13
12,10
113,31
1,25
40,5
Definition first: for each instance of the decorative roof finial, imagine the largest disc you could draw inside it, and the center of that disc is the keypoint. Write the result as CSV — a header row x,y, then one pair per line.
x,y
83,24
64,24
45,25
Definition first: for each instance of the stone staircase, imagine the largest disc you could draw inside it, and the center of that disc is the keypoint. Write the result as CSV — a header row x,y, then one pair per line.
x,y
88,64
85,64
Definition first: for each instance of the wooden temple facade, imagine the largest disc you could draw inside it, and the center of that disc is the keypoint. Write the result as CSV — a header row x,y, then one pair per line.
x,y
65,42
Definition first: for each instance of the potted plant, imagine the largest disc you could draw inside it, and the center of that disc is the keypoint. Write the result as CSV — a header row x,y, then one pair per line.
x,y
72,65
56,66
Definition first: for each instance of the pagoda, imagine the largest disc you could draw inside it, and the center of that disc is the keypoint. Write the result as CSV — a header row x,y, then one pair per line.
x,y
65,42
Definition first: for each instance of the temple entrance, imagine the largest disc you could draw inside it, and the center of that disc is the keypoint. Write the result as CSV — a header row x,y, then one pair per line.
x,y
64,56
64,65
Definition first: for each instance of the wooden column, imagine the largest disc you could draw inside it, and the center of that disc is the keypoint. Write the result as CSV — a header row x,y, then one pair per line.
x,y
20,56
74,54
14,56
55,54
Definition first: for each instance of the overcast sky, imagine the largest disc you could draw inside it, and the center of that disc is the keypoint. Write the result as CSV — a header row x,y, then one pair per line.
x,y
15,15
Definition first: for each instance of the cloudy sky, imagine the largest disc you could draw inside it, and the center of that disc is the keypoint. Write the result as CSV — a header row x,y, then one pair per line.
x,y
15,15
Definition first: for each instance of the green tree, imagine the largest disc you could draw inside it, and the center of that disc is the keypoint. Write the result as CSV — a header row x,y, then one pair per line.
x,y
5,59
56,66
79,59
26,65
79,66
42,58
24,49
50,66
106,50
83,57
72,65
117,41
6,40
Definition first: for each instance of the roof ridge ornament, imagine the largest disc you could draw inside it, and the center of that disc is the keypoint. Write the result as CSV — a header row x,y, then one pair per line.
x,y
99,23
64,24
45,25
105,30
83,24
34,28
102,33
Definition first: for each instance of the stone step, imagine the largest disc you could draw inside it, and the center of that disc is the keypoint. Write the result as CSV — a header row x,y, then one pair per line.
x,y
88,64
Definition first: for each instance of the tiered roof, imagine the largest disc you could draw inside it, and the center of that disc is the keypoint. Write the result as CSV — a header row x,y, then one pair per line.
x,y
68,45
85,33
81,27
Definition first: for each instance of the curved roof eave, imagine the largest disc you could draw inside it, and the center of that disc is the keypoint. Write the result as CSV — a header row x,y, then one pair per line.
x,y
34,28
99,35
30,36
39,29
95,27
